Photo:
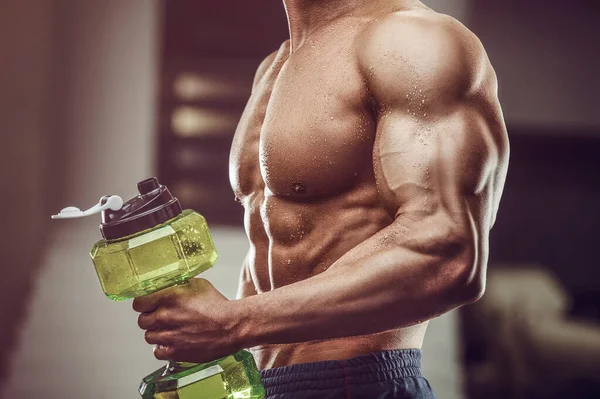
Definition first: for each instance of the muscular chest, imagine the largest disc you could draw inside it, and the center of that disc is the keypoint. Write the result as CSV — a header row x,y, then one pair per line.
x,y
307,130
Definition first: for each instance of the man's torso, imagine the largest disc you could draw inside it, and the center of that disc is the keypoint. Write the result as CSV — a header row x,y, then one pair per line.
x,y
302,166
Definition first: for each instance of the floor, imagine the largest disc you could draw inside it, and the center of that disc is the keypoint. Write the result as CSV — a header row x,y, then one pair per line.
x,y
77,344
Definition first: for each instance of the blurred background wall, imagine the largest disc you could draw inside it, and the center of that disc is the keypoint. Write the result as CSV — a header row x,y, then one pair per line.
x,y
546,58
108,69
26,112
77,117
98,94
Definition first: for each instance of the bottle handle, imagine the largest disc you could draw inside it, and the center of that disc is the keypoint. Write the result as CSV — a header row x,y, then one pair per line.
x,y
113,202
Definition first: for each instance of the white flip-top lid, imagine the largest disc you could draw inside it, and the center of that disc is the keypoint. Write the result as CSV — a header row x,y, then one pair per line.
x,y
113,202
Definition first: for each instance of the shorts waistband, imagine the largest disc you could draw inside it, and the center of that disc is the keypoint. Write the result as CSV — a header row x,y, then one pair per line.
x,y
331,374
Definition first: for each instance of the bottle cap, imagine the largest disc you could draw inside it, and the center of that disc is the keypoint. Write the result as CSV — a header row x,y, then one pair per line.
x,y
154,205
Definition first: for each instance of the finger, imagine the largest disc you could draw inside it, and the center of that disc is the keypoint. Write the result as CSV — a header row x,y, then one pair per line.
x,y
160,319
158,338
151,302
148,321
144,304
162,352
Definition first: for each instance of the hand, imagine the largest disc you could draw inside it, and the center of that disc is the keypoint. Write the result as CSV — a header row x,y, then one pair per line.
x,y
189,323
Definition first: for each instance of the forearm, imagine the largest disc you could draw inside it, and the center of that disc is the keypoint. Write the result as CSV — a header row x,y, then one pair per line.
x,y
373,288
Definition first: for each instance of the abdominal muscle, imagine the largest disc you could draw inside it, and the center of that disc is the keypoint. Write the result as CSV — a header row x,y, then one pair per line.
x,y
270,356
305,239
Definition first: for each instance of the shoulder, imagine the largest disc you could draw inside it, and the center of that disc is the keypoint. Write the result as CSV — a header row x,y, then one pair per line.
x,y
264,66
422,45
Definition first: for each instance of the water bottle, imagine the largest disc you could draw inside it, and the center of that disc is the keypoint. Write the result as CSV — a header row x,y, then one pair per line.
x,y
149,243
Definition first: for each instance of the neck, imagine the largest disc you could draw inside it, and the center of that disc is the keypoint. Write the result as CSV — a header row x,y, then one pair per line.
x,y
305,16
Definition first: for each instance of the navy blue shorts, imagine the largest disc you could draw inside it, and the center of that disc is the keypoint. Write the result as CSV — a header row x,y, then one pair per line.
x,y
382,375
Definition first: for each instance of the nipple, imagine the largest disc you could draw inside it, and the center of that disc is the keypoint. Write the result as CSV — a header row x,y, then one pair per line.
x,y
299,188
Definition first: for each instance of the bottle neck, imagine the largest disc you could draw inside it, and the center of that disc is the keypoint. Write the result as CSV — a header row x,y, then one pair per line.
x,y
140,233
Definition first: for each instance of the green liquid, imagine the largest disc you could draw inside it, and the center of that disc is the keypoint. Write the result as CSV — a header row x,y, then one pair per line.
x,y
157,258
168,254
233,377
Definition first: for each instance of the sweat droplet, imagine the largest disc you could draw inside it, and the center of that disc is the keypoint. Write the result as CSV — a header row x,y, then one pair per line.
x,y
299,188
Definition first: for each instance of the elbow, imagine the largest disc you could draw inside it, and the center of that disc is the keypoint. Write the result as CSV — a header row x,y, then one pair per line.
x,y
467,271
460,256
472,291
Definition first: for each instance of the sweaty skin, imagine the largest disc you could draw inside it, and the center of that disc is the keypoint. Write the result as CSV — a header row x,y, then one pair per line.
x,y
370,161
